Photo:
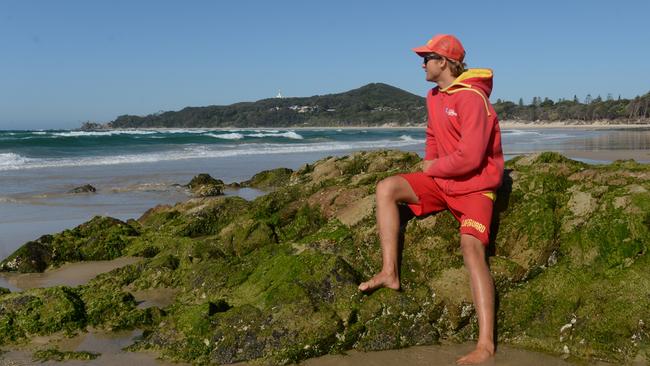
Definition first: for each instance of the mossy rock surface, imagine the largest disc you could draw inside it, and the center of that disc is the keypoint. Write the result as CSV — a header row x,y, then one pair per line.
x,y
269,179
53,354
203,185
102,238
275,278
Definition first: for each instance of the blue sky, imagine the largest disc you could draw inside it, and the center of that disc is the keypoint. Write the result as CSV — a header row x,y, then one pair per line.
x,y
65,62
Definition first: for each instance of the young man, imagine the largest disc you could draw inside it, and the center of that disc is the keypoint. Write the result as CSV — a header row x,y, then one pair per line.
x,y
463,167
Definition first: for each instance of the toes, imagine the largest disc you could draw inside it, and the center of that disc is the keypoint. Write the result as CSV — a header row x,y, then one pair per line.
x,y
368,285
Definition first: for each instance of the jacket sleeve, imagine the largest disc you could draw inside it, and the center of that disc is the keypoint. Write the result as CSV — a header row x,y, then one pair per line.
x,y
430,145
475,131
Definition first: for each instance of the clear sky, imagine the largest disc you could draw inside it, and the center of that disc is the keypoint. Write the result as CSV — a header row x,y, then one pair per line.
x,y
65,62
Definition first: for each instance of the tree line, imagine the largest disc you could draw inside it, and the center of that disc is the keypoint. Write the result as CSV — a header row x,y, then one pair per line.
x,y
589,110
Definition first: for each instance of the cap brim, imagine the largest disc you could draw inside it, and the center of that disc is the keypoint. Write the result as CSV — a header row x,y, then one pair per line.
x,y
422,51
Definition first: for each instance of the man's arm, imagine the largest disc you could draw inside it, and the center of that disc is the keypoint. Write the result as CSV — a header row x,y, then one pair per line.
x,y
475,132
426,164
430,145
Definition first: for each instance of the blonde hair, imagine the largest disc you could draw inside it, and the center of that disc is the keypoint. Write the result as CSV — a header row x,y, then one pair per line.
x,y
456,67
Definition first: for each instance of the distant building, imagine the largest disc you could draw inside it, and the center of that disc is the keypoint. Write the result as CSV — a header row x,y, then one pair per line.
x,y
279,95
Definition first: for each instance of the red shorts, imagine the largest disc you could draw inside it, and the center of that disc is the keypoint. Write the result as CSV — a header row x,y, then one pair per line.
x,y
473,211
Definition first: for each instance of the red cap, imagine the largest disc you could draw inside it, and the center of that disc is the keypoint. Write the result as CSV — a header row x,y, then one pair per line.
x,y
444,45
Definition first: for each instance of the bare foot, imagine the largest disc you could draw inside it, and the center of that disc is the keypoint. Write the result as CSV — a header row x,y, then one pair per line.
x,y
477,356
379,280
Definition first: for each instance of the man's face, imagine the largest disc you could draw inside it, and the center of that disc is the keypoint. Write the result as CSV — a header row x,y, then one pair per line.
x,y
433,66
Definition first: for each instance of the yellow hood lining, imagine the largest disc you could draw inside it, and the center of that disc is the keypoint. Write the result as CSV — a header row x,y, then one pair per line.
x,y
470,74
487,108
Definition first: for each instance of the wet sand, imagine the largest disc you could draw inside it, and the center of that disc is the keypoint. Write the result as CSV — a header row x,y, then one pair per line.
x,y
71,274
444,354
109,345
158,297
434,355
598,125
606,156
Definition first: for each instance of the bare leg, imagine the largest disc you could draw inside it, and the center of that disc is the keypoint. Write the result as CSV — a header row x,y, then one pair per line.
x,y
390,192
483,295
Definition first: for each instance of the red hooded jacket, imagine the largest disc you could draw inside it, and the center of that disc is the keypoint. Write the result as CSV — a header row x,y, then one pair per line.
x,y
463,135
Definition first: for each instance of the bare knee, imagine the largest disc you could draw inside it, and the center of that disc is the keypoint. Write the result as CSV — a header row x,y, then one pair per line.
x,y
472,247
388,188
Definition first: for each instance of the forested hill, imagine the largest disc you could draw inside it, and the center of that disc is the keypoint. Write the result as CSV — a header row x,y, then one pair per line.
x,y
371,105
379,104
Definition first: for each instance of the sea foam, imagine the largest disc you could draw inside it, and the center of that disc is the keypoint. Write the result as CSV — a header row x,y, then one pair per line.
x,y
11,161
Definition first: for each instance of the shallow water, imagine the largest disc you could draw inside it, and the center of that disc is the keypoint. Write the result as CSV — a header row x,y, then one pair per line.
x,y
436,355
70,274
158,297
109,345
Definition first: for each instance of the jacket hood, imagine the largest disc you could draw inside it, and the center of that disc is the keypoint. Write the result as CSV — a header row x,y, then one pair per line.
x,y
473,78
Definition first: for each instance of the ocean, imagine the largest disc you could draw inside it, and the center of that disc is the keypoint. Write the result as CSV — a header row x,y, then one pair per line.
x,y
134,170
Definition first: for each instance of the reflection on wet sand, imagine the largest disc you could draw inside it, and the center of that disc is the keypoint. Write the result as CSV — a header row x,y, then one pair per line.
x,y
615,140
606,156
614,145
445,354
109,345
158,297
71,274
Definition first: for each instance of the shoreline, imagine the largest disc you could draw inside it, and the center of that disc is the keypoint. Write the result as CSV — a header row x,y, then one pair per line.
x,y
505,124
564,125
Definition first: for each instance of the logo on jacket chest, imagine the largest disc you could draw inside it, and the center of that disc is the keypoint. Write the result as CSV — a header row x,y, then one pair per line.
x,y
451,112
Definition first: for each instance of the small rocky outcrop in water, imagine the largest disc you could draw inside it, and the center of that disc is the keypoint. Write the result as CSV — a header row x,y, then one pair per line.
x,y
101,238
276,278
269,178
203,185
86,188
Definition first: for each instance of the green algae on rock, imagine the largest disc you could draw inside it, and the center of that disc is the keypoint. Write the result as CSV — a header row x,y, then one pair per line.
x,y
102,238
269,178
275,278
203,185
40,311
53,354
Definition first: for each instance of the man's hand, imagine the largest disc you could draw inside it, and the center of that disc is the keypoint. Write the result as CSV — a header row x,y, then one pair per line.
x,y
427,164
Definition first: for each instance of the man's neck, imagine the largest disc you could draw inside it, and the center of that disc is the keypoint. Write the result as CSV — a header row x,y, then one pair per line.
x,y
445,81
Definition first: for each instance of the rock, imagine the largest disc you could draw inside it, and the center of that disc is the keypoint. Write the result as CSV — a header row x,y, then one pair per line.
x,y
53,354
87,188
101,238
269,179
203,185
356,211
40,312
33,256
274,279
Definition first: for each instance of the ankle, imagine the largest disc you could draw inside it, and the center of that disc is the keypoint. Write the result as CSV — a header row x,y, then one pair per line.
x,y
389,272
487,346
